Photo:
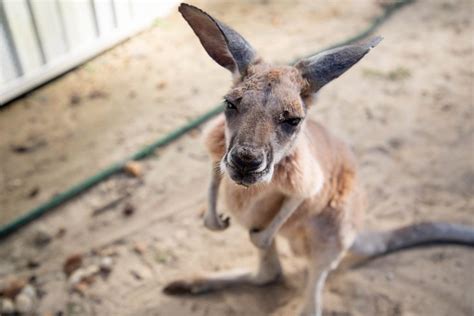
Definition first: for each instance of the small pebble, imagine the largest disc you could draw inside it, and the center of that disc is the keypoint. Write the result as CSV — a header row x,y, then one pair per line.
x,y
33,192
75,99
133,168
23,303
72,263
76,277
41,238
83,274
91,270
136,275
61,232
106,264
6,306
139,247
128,210
33,264
30,291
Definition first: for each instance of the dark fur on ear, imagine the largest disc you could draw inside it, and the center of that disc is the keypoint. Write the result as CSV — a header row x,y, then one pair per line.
x,y
320,69
227,47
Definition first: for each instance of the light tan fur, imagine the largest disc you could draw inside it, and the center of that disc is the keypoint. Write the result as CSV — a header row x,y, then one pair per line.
x,y
316,173
279,172
321,170
282,173
316,157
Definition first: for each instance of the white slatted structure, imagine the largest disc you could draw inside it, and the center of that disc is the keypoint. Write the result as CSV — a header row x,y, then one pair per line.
x,y
40,39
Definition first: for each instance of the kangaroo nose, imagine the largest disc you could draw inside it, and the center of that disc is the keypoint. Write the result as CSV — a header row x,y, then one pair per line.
x,y
246,159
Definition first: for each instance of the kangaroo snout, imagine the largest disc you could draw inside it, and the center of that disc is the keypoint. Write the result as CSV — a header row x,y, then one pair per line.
x,y
247,159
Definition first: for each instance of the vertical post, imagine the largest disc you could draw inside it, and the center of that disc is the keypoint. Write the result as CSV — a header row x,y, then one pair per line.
x,y
35,32
10,43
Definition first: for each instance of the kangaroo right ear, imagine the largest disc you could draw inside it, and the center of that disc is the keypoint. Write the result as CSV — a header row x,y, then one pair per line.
x,y
320,69
227,47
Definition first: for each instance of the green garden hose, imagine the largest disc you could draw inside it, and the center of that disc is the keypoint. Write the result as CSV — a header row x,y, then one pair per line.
x,y
149,150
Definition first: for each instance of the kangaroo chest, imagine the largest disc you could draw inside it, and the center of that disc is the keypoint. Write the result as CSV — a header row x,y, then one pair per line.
x,y
252,207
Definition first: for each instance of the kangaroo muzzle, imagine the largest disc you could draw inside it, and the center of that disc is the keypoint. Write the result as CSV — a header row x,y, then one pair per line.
x,y
247,165
247,159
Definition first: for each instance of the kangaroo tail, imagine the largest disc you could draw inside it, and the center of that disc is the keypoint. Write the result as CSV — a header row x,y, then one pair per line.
x,y
380,243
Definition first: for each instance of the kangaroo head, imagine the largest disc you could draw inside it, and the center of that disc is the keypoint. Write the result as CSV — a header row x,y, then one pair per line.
x,y
267,105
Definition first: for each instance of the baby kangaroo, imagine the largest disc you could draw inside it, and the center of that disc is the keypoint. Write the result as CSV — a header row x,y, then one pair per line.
x,y
280,172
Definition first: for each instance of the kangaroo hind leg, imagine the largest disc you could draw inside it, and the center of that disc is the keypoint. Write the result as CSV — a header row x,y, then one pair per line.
x,y
269,270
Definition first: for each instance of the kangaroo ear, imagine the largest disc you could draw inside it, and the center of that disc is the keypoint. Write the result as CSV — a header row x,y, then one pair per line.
x,y
326,66
227,47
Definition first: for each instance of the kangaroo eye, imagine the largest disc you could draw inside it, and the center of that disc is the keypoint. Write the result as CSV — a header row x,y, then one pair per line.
x,y
229,105
292,121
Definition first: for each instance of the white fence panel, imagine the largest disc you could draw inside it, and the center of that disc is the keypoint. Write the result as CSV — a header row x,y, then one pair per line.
x,y
79,22
50,28
8,69
105,16
123,12
21,26
40,39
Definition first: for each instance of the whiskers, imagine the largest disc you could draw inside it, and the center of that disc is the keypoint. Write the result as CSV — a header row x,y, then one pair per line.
x,y
219,168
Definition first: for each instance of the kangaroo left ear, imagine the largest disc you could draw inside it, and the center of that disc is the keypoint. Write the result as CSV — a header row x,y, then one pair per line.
x,y
320,69
227,47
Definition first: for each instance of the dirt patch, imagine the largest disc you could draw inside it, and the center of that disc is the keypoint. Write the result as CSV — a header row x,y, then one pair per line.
x,y
407,110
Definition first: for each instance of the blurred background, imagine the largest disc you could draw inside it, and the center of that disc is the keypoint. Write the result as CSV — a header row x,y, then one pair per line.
x,y
132,71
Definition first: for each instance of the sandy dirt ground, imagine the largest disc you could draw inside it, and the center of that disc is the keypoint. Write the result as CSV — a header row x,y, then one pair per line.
x,y
407,109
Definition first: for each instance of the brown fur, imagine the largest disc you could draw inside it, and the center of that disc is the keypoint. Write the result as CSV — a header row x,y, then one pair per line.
x,y
280,172
256,206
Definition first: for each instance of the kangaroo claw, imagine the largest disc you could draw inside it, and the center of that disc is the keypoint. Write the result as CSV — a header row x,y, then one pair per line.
x,y
260,238
216,223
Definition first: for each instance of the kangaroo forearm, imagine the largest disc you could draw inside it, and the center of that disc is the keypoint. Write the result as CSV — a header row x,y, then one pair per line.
x,y
287,209
263,239
213,220
213,193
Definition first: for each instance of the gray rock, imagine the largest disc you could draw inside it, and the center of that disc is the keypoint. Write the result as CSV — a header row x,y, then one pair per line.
x,y
24,304
76,277
6,306
82,273
41,238
106,264
30,291
91,270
